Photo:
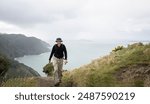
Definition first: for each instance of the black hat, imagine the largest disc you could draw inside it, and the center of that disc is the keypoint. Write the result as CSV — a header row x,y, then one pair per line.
x,y
59,39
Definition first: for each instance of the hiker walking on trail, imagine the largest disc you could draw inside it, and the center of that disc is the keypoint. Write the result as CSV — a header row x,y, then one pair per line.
x,y
59,54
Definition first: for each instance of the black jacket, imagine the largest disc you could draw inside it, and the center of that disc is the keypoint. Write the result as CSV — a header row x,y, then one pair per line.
x,y
59,52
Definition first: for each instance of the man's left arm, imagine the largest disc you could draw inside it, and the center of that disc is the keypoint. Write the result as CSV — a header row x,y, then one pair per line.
x,y
65,52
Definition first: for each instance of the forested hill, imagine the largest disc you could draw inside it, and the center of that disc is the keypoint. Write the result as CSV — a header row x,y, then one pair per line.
x,y
17,45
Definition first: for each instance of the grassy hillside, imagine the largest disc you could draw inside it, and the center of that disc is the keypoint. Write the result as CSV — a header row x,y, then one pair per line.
x,y
20,82
123,67
29,82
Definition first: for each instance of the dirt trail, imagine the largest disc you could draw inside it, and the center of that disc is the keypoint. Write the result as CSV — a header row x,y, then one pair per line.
x,y
45,82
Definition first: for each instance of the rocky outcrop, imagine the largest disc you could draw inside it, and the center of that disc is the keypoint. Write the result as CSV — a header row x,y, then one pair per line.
x,y
135,75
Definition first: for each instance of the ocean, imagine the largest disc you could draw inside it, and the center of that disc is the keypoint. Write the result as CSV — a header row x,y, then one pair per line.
x,y
80,52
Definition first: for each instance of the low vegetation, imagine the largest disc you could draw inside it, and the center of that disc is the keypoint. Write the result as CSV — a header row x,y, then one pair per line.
x,y
20,82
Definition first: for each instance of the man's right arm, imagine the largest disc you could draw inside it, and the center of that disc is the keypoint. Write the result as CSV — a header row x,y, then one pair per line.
x,y
52,52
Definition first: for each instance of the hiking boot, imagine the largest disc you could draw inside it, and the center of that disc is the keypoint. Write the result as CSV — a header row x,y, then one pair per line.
x,y
57,84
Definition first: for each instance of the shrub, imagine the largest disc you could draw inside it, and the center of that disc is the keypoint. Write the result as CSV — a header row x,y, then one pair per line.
x,y
118,48
48,69
135,45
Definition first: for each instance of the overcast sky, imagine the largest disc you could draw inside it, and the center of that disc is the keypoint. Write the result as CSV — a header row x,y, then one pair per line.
x,y
77,19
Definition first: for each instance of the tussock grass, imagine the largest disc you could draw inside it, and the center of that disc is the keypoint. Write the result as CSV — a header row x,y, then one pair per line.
x,y
20,82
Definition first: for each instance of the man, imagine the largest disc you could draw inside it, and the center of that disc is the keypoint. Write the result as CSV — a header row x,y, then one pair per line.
x,y
59,54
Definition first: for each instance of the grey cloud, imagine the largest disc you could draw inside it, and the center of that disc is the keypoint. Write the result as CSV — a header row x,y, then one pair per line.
x,y
89,19
24,12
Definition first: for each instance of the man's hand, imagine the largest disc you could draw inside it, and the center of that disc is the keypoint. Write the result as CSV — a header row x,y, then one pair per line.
x,y
65,62
50,61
